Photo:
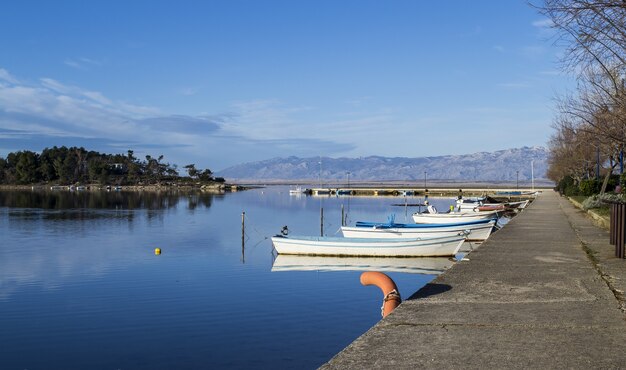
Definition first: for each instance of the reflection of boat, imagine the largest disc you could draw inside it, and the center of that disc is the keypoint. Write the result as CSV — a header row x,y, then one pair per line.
x,y
386,247
478,230
418,265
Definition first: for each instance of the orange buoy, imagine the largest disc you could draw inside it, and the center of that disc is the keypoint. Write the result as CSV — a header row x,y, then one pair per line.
x,y
391,298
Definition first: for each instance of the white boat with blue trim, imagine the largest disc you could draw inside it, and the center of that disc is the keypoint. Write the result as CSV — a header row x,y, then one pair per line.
x,y
476,230
375,247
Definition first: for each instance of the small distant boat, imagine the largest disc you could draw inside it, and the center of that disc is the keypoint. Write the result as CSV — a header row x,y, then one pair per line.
x,y
420,265
297,191
397,247
345,192
477,230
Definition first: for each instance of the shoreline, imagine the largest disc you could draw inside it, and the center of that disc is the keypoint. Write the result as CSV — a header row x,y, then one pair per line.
x,y
217,187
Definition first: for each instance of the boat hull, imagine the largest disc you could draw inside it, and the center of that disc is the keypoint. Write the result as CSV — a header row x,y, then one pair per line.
x,y
441,218
477,231
375,247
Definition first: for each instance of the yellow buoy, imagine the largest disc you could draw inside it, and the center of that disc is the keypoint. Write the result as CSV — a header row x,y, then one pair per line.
x,y
157,251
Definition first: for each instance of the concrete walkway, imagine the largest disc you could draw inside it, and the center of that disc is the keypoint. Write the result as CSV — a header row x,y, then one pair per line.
x,y
544,292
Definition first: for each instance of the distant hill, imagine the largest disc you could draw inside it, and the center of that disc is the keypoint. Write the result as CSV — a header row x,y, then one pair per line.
x,y
499,166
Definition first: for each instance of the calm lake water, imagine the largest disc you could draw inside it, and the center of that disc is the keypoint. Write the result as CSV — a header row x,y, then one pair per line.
x,y
81,286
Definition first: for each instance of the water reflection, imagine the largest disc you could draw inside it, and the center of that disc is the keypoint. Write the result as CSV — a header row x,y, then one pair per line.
x,y
118,200
425,265
78,273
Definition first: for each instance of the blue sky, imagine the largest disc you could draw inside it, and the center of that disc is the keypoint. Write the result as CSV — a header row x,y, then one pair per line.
x,y
217,83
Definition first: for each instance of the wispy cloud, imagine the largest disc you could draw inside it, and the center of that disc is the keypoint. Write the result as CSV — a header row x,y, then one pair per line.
x,y
50,112
82,63
543,23
6,76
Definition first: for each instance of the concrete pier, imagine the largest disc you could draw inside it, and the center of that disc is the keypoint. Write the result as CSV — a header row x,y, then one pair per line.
x,y
421,192
545,292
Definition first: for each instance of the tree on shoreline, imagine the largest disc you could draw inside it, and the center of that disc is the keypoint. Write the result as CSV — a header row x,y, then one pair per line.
x,y
75,165
591,123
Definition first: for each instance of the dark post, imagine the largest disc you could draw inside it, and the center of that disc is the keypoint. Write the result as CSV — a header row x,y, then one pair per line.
x,y
321,221
342,216
612,224
243,235
617,228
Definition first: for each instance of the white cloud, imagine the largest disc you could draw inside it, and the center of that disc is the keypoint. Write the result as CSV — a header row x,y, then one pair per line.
x,y
50,111
6,76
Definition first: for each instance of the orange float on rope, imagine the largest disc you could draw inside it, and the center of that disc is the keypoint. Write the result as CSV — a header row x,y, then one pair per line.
x,y
391,298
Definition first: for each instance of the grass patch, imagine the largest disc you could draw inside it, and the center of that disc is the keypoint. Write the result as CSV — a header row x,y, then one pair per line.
x,y
603,211
579,198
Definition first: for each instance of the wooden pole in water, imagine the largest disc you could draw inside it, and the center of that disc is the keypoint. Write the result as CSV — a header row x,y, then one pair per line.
x,y
321,221
342,216
243,234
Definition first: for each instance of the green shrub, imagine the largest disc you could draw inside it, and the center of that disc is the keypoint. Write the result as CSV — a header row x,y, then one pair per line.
x,y
589,187
565,185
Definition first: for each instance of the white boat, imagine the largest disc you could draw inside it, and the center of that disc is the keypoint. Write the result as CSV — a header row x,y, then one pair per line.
x,y
418,265
468,204
385,247
521,205
476,230
474,205
297,191
452,217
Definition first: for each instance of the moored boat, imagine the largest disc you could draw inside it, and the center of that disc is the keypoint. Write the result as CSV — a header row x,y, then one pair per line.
x,y
297,191
476,230
452,217
379,247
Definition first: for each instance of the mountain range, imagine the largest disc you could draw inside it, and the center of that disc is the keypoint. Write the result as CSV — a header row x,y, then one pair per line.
x,y
509,165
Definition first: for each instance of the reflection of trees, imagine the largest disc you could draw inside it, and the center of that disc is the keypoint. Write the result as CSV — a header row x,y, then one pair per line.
x,y
199,199
63,200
